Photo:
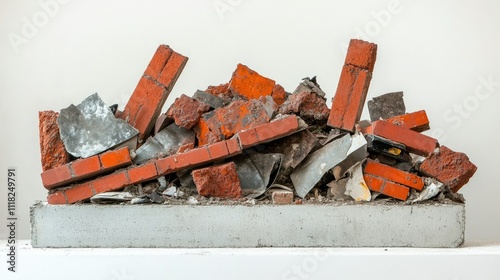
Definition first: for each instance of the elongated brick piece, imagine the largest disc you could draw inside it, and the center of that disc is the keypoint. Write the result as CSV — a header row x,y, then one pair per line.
x,y
416,121
393,174
386,187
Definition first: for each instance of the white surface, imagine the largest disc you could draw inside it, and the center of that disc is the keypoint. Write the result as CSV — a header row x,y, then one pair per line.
x,y
474,261
184,226
438,52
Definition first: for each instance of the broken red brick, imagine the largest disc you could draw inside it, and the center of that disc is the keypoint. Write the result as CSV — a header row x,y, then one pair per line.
x,y
415,142
57,198
142,173
307,105
218,181
416,121
451,168
218,150
279,94
361,54
277,129
349,98
204,135
386,187
221,91
249,84
237,116
393,174
52,150
79,193
248,138
282,197
143,107
111,182
184,148
85,168
233,146
186,111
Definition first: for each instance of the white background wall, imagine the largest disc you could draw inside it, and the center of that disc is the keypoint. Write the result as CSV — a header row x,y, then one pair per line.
x,y
440,53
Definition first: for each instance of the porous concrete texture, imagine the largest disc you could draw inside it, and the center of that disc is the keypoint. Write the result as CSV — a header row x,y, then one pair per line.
x,y
219,226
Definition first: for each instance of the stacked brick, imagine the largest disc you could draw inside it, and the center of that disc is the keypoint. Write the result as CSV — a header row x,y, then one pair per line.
x,y
246,114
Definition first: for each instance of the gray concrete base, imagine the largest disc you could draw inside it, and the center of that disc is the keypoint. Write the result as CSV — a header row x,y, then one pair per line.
x,y
217,226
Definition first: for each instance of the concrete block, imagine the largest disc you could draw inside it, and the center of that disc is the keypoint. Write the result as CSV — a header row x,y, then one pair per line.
x,y
198,226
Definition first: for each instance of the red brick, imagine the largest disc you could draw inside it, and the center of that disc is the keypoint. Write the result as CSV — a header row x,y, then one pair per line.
x,y
186,111
56,177
349,98
204,135
248,138
86,166
166,165
143,107
142,173
238,116
158,61
218,150
277,129
57,198
416,121
185,160
393,174
52,150
279,94
233,146
197,156
361,54
248,83
111,182
79,193
172,71
185,148
386,187
115,159
221,91
415,142
282,197
218,181
449,167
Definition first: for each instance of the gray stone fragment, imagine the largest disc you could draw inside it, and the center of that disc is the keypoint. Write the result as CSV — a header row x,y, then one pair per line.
x,y
356,153
312,169
91,128
309,85
255,170
386,106
111,197
211,100
165,143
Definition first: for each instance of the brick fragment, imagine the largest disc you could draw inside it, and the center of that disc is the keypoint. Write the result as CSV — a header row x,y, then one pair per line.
x,y
218,181
218,150
81,169
111,182
57,198
416,121
249,84
361,54
186,111
393,174
282,197
386,187
349,98
307,105
143,107
277,129
248,138
222,91
142,173
204,135
52,150
415,142
237,116
233,146
279,94
186,147
79,193
449,167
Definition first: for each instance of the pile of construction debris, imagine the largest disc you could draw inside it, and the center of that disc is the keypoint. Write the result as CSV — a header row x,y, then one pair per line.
x,y
247,140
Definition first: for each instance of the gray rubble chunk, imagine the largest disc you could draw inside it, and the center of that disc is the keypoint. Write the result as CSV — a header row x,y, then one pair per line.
x,y
255,171
309,85
165,143
312,169
211,100
386,106
356,153
90,128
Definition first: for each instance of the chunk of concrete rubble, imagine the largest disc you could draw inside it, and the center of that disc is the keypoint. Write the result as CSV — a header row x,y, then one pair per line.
x,y
282,197
386,106
431,189
218,181
91,128
309,85
211,100
294,148
337,189
255,171
186,111
165,143
356,186
311,170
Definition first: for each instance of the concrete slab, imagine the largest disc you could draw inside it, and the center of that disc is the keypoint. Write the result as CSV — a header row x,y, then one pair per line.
x,y
221,226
